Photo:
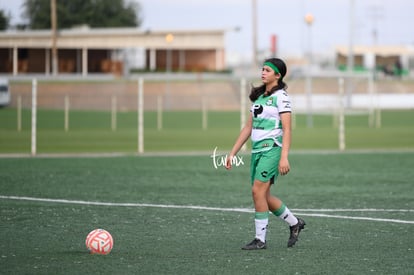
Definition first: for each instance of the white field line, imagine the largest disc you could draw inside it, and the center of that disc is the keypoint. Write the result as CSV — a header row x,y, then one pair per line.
x,y
355,210
301,212
356,218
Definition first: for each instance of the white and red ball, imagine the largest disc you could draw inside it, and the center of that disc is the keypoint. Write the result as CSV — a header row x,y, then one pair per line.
x,y
99,241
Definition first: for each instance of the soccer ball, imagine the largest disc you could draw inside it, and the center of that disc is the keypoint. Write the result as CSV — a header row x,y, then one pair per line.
x,y
99,241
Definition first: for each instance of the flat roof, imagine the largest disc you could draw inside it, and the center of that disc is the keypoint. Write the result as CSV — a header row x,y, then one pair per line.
x,y
381,50
110,38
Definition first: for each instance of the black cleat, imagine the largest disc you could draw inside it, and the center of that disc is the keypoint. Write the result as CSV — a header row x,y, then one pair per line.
x,y
254,245
294,232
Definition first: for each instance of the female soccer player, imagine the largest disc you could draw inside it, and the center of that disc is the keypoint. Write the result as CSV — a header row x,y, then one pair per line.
x,y
269,127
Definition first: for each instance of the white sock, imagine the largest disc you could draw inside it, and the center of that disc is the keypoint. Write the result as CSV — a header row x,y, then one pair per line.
x,y
261,228
285,214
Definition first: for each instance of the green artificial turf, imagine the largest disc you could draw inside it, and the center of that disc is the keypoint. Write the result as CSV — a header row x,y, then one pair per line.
x,y
180,215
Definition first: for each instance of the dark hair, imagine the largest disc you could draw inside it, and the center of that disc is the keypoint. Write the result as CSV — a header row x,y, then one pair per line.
x,y
281,66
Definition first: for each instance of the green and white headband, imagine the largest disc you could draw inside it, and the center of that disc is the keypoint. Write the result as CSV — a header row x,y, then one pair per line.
x,y
271,65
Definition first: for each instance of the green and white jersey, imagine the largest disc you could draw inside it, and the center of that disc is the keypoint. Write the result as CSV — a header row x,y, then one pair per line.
x,y
267,127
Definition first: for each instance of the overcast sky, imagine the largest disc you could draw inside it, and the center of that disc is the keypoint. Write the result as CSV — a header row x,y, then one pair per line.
x,y
392,20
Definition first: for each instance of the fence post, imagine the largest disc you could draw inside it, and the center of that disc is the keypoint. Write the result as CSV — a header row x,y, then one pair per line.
x,y
159,112
371,108
377,107
113,113
19,113
204,113
66,113
140,115
378,117
34,116
341,116
242,102
243,107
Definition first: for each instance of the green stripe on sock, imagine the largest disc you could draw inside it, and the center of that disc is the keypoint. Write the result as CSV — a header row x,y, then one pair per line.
x,y
261,215
280,211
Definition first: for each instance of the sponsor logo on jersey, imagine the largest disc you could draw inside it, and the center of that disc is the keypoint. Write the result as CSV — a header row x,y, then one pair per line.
x,y
269,102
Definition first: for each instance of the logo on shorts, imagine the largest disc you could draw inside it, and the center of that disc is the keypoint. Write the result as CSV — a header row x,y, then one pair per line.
x,y
264,174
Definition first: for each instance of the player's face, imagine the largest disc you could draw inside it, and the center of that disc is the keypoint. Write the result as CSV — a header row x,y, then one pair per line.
x,y
269,76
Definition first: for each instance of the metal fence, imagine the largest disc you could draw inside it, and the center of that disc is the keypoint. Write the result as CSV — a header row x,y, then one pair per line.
x,y
333,94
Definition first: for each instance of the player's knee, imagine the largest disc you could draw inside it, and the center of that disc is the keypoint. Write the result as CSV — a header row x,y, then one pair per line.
x,y
260,189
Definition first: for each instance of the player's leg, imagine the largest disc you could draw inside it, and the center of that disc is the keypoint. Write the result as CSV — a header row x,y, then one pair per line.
x,y
279,209
260,186
261,216
259,191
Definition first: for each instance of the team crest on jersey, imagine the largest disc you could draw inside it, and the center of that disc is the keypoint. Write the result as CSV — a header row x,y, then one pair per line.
x,y
269,102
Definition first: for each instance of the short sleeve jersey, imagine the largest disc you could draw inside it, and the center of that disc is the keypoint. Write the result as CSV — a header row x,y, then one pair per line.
x,y
267,126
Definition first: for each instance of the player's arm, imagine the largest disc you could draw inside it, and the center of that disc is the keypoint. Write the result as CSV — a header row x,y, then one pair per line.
x,y
241,140
284,166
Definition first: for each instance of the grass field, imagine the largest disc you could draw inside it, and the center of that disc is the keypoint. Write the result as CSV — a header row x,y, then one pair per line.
x,y
90,132
180,215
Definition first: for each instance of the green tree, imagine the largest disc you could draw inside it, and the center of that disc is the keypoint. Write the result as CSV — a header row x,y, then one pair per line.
x,y
95,13
4,20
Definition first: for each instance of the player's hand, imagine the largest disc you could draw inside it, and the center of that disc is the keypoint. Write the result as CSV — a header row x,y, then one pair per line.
x,y
284,167
228,162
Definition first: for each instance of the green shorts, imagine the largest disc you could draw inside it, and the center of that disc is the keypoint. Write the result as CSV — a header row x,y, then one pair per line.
x,y
264,165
